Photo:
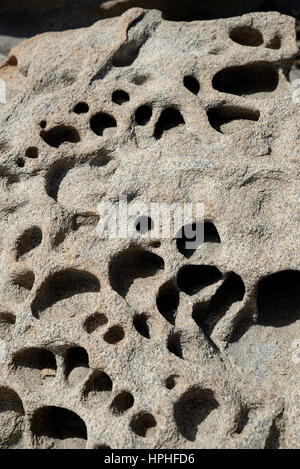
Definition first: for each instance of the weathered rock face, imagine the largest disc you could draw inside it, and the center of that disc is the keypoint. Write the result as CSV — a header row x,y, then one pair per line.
x,y
140,342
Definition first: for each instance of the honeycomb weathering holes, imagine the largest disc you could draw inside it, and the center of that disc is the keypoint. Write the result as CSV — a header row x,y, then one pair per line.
x,y
7,322
98,382
191,83
60,134
35,358
29,240
168,119
93,322
76,364
228,119
207,315
143,114
278,299
140,322
192,278
122,402
142,423
247,36
11,418
131,264
120,97
167,301
81,108
211,235
247,79
102,121
191,410
22,285
57,427
61,286
32,152
114,335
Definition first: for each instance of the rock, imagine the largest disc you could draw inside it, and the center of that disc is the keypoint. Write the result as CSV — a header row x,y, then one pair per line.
x,y
153,343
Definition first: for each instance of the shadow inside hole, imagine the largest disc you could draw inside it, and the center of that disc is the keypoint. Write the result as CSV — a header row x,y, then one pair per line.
x,y
120,97
102,121
167,301
57,423
193,278
140,322
229,119
174,344
93,322
143,114
131,264
191,83
209,314
60,134
191,410
247,36
122,402
278,299
170,118
247,79
29,240
142,423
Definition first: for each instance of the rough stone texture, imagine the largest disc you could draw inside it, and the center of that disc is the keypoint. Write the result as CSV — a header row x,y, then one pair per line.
x,y
139,343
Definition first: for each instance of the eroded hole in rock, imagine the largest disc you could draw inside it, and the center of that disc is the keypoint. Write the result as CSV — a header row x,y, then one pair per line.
x,y
71,288
81,108
189,238
102,122
211,234
7,322
11,418
140,322
29,240
278,299
93,322
122,402
126,54
60,134
275,43
247,79
114,335
102,447
43,124
207,315
169,119
193,278
174,344
142,424
120,97
20,162
242,420
192,84
143,114
56,427
22,285
276,433
167,301
76,365
171,381
32,152
247,36
229,119
191,410
144,224
55,176
98,387
35,358
131,264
